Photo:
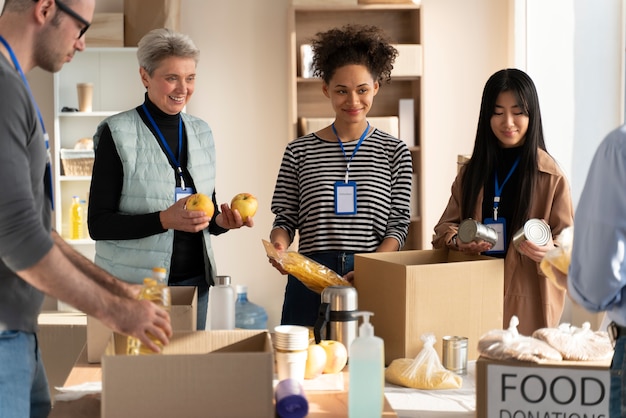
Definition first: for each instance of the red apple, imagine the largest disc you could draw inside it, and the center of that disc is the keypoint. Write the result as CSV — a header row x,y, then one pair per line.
x,y
315,361
336,356
200,202
246,204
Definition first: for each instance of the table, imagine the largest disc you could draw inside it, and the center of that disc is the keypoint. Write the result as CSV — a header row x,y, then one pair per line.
x,y
322,404
449,403
400,402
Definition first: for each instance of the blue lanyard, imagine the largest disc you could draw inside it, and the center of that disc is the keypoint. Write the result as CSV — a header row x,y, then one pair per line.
x,y
363,135
46,138
498,188
173,159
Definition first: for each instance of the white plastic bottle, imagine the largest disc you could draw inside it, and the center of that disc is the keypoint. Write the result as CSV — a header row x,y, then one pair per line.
x,y
367,372
221,312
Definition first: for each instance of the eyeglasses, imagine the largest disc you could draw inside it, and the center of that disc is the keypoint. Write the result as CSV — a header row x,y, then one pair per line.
x,y
73,14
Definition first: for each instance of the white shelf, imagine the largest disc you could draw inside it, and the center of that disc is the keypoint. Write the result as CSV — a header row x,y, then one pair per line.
x,y
117,87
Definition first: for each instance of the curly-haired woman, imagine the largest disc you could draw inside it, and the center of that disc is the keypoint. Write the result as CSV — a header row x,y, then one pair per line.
x,y
346,188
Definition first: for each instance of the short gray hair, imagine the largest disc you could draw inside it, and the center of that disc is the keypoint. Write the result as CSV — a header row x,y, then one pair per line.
x,y
162,43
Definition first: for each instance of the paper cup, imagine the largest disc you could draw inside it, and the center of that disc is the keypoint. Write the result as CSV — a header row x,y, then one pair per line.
x,y
291,364
291,337
85,96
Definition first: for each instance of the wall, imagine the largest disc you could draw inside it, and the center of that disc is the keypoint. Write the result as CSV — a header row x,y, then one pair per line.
x,y
241,92
464,42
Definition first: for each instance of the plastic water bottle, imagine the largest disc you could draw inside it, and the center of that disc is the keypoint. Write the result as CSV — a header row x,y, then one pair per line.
x,y
221,312
76,219
367,372
247,314
154,289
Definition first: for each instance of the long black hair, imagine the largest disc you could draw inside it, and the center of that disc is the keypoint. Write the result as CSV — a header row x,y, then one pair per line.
x,y
483,162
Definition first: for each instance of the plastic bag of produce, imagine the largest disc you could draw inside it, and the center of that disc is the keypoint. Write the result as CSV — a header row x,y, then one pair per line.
x,y
510,345
312,274
577,343
423,372
559,257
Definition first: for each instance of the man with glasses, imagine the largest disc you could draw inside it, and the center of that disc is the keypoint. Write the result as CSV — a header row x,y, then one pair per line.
x,y
34,259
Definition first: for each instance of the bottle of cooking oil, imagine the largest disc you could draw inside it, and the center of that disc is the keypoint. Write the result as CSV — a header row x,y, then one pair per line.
x,y
76,219
155,289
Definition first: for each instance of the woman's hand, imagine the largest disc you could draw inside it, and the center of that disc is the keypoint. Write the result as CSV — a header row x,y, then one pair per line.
x,y
231,219
280,247
178,218
533,251
473,247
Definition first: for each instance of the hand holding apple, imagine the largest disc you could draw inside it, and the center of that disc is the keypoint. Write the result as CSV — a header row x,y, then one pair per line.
x,y
201,202
246,204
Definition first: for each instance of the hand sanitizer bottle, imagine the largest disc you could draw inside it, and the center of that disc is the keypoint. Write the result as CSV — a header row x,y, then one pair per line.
x,y
367,372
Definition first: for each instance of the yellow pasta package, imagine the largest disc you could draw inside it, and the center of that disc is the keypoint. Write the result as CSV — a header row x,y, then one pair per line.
x,y
312,274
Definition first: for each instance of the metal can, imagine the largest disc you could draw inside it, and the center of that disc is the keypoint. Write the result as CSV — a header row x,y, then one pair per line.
x,y
454,350
471,230
535,231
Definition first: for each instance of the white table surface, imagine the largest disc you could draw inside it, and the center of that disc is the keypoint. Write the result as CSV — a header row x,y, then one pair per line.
x,y
448,403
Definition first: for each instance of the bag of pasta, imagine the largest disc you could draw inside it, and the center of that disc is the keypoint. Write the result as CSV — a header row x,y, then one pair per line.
x,y
312,274
559,257
580,344
423,372
509,344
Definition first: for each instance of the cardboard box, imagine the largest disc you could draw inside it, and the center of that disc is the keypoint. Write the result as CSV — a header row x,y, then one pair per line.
x,y
61,338
184,316
409,61
199,374
106,30
429,291
523,389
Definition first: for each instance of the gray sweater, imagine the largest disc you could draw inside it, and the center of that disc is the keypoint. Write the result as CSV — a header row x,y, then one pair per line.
x,y
25,211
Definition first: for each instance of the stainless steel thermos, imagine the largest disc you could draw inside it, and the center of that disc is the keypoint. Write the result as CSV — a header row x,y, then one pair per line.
x,y
336,320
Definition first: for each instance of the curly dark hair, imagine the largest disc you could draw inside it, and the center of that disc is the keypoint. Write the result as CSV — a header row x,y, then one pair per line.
x,y
353,45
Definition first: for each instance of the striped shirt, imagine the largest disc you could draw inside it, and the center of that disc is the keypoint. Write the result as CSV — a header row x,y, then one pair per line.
x,y
304,201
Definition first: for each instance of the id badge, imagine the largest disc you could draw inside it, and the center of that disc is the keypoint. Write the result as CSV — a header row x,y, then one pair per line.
x,y
500,227
345,198
180,193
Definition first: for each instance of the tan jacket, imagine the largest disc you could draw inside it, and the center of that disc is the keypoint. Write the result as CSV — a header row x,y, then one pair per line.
x,y
527,292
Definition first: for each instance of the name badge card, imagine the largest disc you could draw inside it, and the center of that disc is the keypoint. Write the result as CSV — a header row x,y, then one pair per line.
x,y
345,198
180,193
500,227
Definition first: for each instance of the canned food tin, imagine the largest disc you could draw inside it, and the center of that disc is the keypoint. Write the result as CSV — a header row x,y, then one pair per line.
x,y
535,231
471,230
454,350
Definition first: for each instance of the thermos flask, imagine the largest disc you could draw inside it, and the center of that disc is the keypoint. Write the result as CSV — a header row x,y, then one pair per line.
x,y
336,320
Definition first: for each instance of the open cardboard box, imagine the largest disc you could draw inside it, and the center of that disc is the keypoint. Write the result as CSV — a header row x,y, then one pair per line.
x,y
61,337
199,374
429,291
183,314
512,388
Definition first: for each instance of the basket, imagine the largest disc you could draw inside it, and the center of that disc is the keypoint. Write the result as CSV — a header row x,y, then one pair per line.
x,y
77,162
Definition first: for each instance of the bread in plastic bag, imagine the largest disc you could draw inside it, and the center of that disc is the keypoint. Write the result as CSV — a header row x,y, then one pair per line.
x,y
423,372
312,274
575,343
510,345
559,257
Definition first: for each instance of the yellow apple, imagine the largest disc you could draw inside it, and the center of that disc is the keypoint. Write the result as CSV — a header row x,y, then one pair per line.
x,y
315,361
200,202
246,204
336,356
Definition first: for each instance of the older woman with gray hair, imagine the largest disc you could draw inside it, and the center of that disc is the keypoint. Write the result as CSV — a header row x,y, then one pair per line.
x,y
149,160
